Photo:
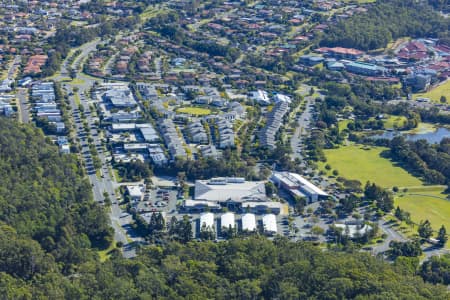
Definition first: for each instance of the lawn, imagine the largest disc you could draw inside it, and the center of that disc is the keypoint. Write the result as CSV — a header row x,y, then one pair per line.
x,y
436,93
395,122
196,111
422,201
423,128
343,124
77,99
105,254
426,204
77,81
355,162
151,12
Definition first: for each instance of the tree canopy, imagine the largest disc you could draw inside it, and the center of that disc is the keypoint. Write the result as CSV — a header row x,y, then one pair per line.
x,y
386,20
50,229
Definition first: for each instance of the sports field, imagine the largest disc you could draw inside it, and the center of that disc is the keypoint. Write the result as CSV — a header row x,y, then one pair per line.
x,y
367,164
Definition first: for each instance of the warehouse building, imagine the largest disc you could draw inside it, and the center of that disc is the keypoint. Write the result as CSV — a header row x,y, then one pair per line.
x,y
248,222
199,205
227,220
230,190
207,220
296,185
270,224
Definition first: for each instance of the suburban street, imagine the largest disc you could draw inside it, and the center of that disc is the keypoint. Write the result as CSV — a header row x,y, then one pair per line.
x,y
106,184
24,109
303,121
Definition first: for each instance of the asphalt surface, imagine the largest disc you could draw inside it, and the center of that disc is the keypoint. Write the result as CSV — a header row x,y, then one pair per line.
x,y
22,96
106,184
303,121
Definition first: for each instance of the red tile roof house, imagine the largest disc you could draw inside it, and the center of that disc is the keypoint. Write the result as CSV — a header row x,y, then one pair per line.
x,y
341,52
34,64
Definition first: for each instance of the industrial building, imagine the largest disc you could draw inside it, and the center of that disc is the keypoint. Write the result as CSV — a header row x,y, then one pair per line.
x,y
199,205
207,220
231,190
248,222
227,220
296,185
365,68
270,224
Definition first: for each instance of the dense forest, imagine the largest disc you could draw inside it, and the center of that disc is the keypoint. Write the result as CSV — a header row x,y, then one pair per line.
x,y
45,197
432,162
386,20
50,230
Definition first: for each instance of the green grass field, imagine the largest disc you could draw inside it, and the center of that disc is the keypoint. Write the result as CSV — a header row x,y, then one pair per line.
x,y
77,81
395,122
436,93
429,204
354,162
422,201
343,124
105,254
77,99
196,111
423,128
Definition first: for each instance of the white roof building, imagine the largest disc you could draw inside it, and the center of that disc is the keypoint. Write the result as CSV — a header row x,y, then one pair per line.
x,y
200,204
248,222
227,220
261,97
136,192
282,98
207,219
123,126
229,189
270,223
297,185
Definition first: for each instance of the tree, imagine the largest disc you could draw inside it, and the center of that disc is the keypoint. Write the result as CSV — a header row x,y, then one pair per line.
x,y
443,99
270,189
442,236
317,230
398,213
425,231
73,73
183,230
436,270
207,233
409,248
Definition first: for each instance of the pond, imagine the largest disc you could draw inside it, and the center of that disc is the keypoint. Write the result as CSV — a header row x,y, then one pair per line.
x,y
433,137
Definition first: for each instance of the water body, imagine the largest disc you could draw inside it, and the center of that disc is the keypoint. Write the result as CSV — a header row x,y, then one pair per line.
x,y
433,137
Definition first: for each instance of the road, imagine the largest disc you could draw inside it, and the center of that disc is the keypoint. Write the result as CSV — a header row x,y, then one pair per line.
x,y
22,96
13,67
106,184
107,69
303,121
391,235
158,67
